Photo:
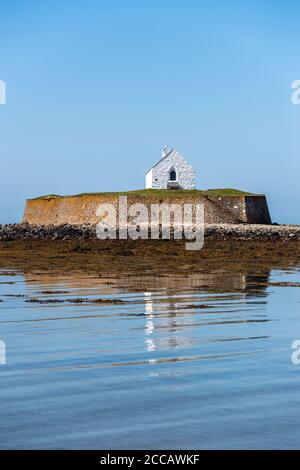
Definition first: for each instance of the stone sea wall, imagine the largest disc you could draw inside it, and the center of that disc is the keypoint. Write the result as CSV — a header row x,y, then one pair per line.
x,y
81,209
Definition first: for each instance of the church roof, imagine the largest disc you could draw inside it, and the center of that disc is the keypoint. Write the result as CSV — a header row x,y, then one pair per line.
x,y
166,154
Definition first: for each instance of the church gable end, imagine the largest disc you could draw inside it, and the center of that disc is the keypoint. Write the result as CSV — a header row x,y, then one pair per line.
x,y
171,172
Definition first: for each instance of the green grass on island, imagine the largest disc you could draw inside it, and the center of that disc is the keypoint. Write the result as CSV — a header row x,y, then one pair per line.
x,y
227,192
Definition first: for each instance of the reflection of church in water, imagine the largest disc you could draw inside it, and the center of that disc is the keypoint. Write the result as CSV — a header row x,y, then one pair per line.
x,y
167,311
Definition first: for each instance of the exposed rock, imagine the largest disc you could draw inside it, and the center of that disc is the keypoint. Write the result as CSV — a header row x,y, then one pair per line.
x,y
78,300
10,232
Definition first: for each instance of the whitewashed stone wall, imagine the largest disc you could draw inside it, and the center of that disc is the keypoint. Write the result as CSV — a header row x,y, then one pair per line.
x,y
149,179
159,174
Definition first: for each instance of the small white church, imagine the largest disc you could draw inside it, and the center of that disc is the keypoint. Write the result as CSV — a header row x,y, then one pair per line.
x,y
172,171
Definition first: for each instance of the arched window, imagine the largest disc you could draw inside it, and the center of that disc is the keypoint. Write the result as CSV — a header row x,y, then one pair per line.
x,y
173,176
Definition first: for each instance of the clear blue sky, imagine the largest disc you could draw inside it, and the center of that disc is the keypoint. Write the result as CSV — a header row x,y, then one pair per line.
x,y
96,88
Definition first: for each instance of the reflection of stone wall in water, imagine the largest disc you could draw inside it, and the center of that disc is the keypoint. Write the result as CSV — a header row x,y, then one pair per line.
x,y
164,300
82,209
213,281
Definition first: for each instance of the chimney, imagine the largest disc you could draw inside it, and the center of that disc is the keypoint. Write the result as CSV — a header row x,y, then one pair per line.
x,y
165,150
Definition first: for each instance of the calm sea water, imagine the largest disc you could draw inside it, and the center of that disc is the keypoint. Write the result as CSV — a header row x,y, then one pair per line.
x,y
195,361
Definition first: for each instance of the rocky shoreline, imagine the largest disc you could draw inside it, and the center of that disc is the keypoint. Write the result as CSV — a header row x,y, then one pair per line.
x,y
212,232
